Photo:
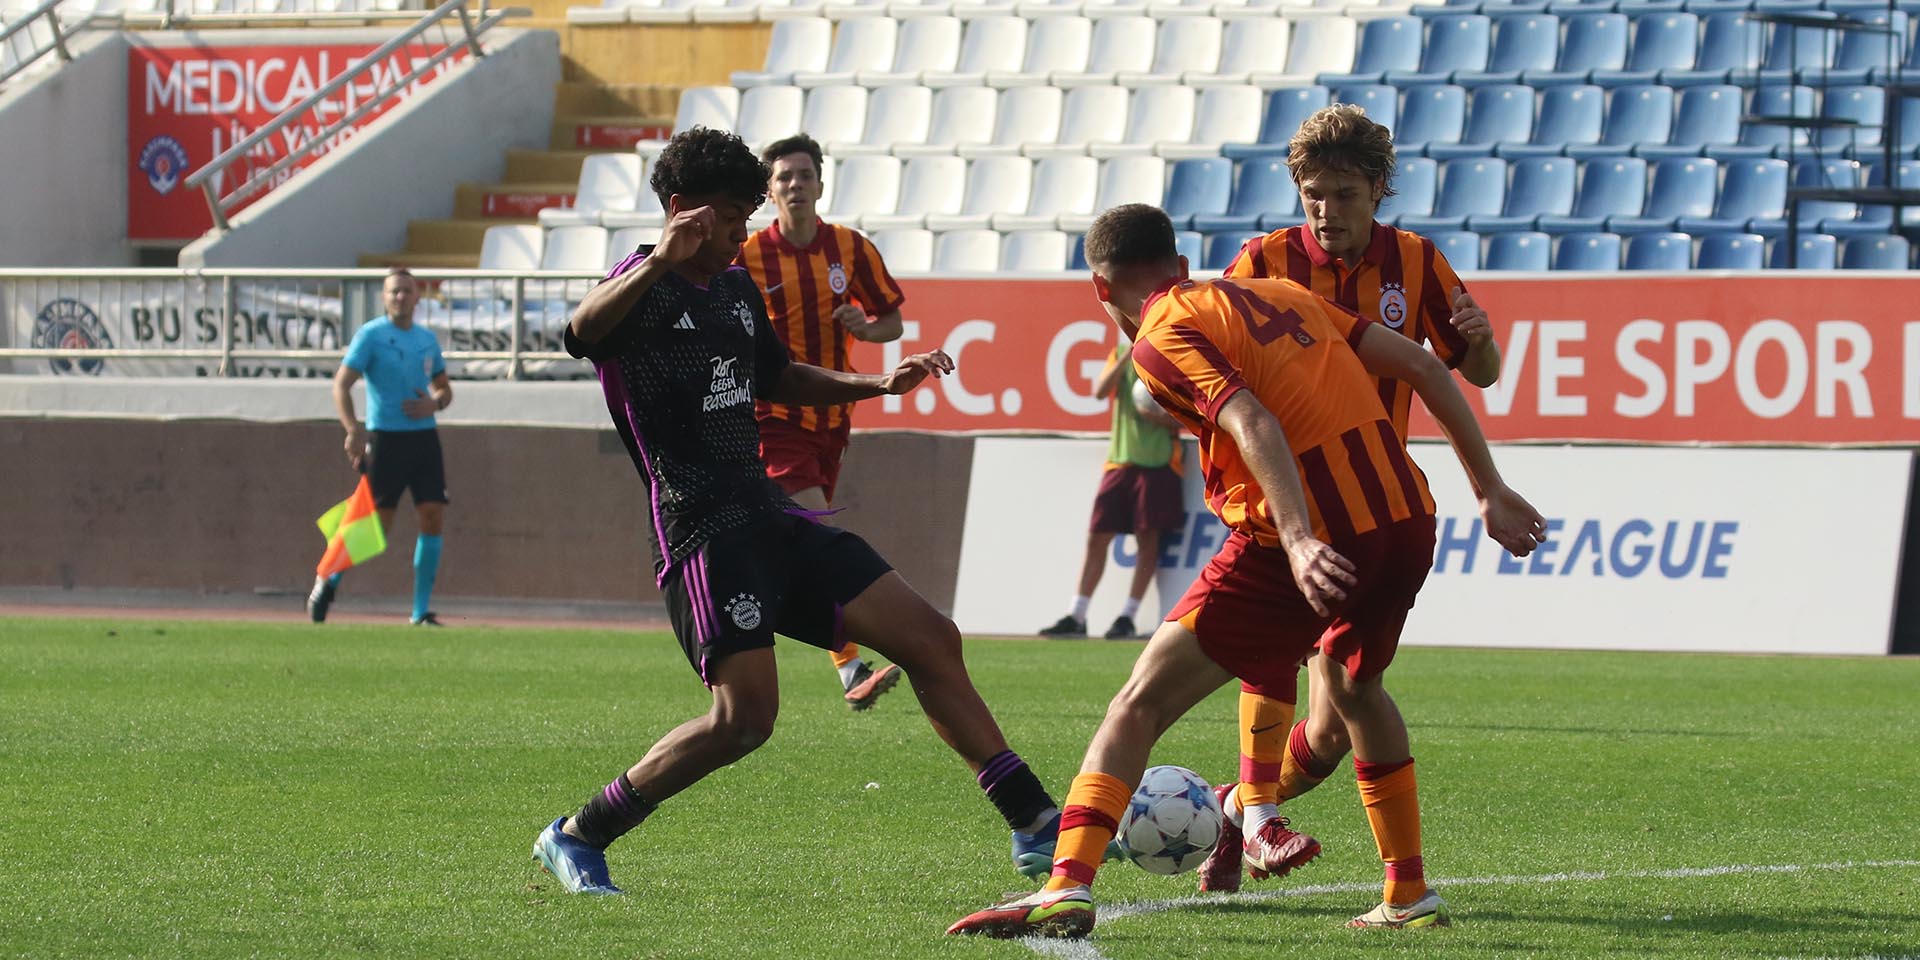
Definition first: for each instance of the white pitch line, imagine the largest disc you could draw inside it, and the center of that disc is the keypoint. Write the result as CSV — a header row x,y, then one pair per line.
x,y
1085,950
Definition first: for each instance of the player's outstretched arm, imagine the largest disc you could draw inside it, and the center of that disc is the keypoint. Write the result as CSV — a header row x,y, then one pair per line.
x,y
607,304
1320,571
806,384
1510,520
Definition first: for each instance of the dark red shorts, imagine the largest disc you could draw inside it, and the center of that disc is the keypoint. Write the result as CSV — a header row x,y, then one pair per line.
x,y
1252,620
1138,498
798,459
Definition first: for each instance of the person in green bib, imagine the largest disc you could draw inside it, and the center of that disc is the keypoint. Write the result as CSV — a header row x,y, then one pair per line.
x,y
1139,494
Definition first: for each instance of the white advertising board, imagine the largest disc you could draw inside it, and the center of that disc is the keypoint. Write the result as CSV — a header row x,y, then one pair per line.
x,y
1724,550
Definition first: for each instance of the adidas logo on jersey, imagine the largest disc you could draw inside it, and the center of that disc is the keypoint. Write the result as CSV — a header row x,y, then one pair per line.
x,y
686,322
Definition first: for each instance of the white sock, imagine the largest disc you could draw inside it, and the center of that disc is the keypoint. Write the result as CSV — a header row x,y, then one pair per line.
x,y
1080,605
1257,816
851,670
1230,805
1131,607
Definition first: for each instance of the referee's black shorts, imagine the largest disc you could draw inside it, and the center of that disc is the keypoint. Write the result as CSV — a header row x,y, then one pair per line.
x,y
405,460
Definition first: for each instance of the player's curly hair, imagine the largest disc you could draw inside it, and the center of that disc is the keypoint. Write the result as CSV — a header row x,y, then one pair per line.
x,y
1342,139
704,161
1129,235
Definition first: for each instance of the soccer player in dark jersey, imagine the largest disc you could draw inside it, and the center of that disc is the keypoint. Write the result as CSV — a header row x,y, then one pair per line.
x,y
681,343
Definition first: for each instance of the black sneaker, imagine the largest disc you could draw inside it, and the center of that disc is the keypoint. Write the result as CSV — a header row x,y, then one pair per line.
x,y
320,599
1123,629
1066,626
430,620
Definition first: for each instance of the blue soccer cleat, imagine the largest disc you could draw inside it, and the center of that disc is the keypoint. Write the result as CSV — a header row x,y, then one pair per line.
x,y
579,867
1033,852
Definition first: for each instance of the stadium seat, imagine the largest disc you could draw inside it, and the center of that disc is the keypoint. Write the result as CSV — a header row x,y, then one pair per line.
x,y
896,115
1246,48
1907,67
1381,102
863,186
1875,253
1731,251
1416,182
1659,251
1864,55
1729,44
1836,217
995,185
578,249
1594,41
1055,45
769,113
1188,243
836,114
1636,115
1906,175
989,45
1468,186
1185,45
1521,43
1123,180
1262,187
1866,107
1752,196
1609,187
1090,115
1034,251
516,247
1120,45
798,44
904,251
1797,54
1455,44
715,107
1154,115
1219,249
1460,248
1541,186
1519,251
851,9
1061,186
625,241
1435,113
929,185
961,115
1682,187
967,251
1497,113
1198,186
1708,116
1223,115
1595,252
1025,116
1815,252
608,181
1386,44
1286,110
1570,114
1664,41
860,45
1316,45
926,45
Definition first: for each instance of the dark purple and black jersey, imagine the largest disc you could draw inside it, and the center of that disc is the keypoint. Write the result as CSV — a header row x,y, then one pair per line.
x,y
680,375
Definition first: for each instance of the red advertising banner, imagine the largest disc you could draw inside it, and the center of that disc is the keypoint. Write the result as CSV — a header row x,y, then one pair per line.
x,y
1780,358
187,105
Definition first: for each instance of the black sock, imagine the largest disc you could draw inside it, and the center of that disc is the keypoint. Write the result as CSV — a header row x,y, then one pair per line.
x,y
1014,790
611,813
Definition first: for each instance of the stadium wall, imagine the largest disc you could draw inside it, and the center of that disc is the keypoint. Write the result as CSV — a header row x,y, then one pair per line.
x,y
63,143
360,197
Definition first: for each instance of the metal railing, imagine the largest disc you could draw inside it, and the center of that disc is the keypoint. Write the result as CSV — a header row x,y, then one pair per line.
x,y
366,97
491,325
43,20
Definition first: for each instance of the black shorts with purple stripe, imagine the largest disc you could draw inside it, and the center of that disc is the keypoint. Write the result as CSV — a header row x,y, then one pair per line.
x,y
785,574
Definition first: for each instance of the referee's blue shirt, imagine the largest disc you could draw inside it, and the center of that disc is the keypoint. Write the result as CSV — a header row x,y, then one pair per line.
x,y
397,364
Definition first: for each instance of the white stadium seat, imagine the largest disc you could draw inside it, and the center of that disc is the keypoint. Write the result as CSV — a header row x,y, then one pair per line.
x,y
1224,115
1184,45
990,45
1061,185
1034,251
1026,115
895,115
1123,180
976,9
1098,9
1250,45
1167,9
930,186
904,251
625,241
1119,45
961,115
862,186
1318,45
511,247
776,10
608,181
1033,9
646,212
995,185
1156,114
1054,45
848,9
1091,115
769,113
716,107
575,249
925,45
835,114
967,251
910,9
799,43
861,44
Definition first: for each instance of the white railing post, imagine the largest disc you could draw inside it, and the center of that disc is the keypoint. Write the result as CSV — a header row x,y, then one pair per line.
x,y
513,334
227,310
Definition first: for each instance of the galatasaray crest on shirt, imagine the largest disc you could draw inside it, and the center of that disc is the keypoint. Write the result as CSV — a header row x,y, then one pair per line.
x,y
837,278
1393,305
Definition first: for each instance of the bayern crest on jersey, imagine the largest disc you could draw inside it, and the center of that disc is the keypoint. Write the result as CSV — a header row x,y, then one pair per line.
x,y
836,278
1393,305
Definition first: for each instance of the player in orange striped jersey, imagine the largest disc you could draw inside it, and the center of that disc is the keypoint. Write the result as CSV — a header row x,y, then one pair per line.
x,y
825,287
1343,163
1332,537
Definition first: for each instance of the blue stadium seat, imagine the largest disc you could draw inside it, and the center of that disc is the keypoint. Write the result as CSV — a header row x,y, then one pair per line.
x,y
1588,251
1907,175
1571,114
1636,115
1732,251
1434,113
1817,251
1837,217
1729,44
1864,106
1659,251
1682,187
1909,66
1567,8
1381,102
1862,53
1468,186
1708,116
1660,42
1542,186
1875,253
1609,187
1753,199
1639,8
1520,43
1416,183
1594,41
1769,139
1187,242
1221,248
1461,248
1499,113
1386,44
1798,52
1454,44
1451,8
1287,108
1519,251
1077,260
1507,8
1262,187
1198,186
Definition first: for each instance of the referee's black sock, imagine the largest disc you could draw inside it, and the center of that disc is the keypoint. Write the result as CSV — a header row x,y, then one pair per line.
x,y
612,812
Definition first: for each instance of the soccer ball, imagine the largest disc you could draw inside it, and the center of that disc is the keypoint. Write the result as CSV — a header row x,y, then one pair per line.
x,y
1172,823
1143,401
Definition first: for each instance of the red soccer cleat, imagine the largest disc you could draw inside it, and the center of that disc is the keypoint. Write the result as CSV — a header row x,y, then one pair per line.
x,y
1220,873
1275,851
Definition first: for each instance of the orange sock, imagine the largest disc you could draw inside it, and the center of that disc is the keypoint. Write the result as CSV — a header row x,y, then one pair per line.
x,y
1087,824
845,655
1300,770
1263,744
1393,808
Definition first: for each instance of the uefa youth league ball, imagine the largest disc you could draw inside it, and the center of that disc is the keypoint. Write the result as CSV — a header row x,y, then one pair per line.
x,y
1173,821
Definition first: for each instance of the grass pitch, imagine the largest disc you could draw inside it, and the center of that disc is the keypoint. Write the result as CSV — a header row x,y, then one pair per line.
x,y
232,790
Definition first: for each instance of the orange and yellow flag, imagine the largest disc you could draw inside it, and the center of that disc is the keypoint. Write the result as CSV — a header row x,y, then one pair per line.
x,y
353,533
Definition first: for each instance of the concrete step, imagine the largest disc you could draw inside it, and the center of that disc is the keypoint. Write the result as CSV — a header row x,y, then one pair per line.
x,y
509,200
545,166
646,99
423,261
461,236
